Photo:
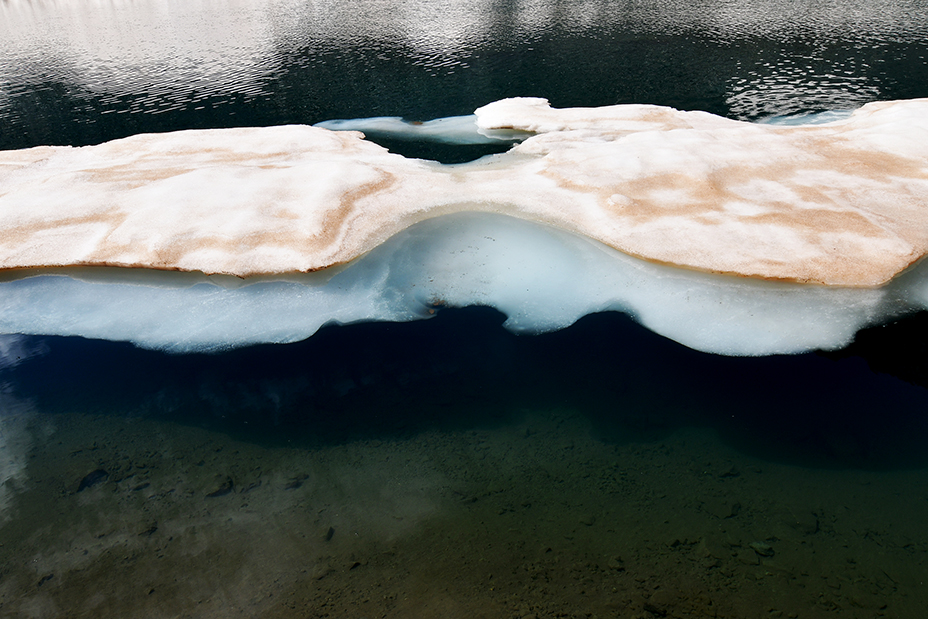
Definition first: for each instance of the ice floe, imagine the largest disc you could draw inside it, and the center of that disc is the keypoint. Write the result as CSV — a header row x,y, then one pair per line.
x,y
726,236
541,277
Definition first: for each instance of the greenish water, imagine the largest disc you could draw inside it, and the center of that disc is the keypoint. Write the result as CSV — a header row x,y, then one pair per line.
x,y
447,468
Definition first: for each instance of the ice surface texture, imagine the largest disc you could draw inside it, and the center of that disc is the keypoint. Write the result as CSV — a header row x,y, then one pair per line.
x,y
841,203
532,232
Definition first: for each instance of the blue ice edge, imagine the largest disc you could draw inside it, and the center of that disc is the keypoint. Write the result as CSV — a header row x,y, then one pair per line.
x,y
542,278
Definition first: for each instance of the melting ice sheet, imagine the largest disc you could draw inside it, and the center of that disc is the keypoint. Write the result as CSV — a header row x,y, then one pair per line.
x,y
279,230
841,203
541,277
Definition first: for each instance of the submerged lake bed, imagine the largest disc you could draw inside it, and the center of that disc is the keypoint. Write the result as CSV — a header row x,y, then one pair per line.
x,y
447,467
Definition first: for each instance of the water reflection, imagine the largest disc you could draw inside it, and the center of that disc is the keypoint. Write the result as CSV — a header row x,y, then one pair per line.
x,y
789,86
71,70
161,56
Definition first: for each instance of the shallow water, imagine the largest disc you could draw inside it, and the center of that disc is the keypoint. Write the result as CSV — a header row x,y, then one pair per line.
x,y
448,468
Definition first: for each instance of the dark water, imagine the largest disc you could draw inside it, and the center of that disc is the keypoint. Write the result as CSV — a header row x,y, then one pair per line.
x,y
86,73
331,388
673,462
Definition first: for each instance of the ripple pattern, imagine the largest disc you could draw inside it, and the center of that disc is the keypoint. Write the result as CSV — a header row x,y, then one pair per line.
x,y
84,72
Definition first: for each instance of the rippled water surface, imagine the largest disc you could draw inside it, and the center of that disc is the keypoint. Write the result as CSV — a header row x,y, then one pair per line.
x,y
83,72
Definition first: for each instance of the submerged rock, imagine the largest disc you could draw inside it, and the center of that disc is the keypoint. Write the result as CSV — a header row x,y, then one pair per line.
x,y
225,486
763,549
92,479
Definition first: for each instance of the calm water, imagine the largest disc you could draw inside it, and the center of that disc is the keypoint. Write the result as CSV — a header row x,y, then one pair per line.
x,y
447,468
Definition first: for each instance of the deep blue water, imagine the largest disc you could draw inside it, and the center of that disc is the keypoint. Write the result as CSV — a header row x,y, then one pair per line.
x,y
331,388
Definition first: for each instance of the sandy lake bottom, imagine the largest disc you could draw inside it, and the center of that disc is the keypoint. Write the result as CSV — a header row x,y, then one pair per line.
x,y
386,479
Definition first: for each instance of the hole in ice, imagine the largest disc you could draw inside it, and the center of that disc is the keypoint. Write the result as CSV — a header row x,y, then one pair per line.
x,y
454,139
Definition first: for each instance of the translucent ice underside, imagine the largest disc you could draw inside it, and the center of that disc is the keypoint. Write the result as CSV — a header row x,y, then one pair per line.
x,y
541,277
327,227
841,203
